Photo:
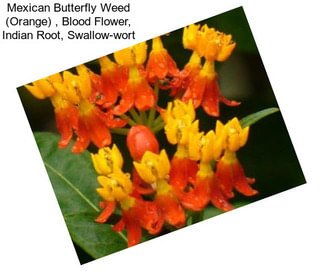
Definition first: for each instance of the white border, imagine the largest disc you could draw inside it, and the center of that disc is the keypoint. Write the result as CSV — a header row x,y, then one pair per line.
x,y
283,232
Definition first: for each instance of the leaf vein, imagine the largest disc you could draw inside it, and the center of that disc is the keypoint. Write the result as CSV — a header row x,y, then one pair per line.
x,y
77,191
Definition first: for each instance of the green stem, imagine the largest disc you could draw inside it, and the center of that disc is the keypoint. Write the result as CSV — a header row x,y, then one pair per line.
x,y
130,121
143,117
135,116
119,131
157,120
151,117
158,127
197,217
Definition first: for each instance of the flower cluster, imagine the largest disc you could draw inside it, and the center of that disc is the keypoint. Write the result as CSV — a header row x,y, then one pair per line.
x,y
204,169
159,191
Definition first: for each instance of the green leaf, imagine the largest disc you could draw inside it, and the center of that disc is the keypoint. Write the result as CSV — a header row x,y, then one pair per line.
x,y
74,182
253,118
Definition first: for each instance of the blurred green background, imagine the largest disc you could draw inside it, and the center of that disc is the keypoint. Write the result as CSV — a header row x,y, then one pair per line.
x,y
269,155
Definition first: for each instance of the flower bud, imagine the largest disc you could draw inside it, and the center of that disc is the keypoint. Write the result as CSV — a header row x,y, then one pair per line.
x,y
141,139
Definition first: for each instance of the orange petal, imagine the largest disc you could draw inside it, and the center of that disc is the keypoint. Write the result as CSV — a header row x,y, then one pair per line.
x,y
198,197
144,96
224,178
82,140
149,216
66,120
182,172
119,227
195,90
211,98
241,183
218,198
106,213
172,211
126,102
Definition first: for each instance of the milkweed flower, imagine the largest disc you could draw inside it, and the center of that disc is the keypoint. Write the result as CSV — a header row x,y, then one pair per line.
x,y
229,172
66,114
203,148
116,187
160,64
180,122
154,169
109,84
180,82
203,88
214,45
92,122
137,92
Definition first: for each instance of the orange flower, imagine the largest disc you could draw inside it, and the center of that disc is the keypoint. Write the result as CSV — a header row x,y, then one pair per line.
x,y
138,92
92,124
160,64
154,169
93,127
116,187
204,90
230,174
181,81
66,116
108,85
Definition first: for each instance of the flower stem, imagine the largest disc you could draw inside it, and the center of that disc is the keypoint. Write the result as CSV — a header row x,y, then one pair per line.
x,y
130,121
135,116
158,127
119,131
143,117
157,120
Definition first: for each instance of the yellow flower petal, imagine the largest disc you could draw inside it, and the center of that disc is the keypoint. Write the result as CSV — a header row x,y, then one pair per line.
x,y
244,136
105,194
35,91
84,81
163,165
145,173
194,146
106,64
207,149
117,156
190,36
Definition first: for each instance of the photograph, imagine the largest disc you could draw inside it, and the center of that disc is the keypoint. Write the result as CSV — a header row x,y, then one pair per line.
x,y
161,135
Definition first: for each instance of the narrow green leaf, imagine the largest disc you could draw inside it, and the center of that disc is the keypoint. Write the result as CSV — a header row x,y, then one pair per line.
x,y
74,182
253,118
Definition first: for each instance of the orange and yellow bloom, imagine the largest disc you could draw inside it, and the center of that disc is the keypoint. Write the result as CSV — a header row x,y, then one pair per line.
x,y
116,187
122,98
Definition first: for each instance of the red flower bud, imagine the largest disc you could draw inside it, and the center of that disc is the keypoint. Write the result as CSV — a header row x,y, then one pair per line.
x,y
141,139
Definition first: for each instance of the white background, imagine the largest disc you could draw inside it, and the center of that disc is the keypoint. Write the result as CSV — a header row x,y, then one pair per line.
x,y
283,232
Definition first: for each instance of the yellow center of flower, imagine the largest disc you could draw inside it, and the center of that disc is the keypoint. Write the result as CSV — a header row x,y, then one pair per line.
x,y
85,107
115,187
208,70
107,160
153,167
127,203
205,170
